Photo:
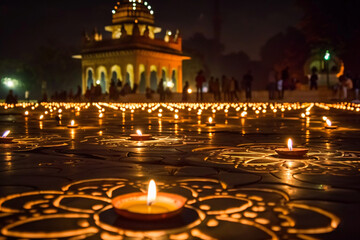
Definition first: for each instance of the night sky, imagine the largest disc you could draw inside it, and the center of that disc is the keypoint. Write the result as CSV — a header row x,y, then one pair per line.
x,y
247,25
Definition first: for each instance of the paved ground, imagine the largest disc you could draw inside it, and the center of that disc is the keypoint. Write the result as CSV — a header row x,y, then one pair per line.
x,y
58,183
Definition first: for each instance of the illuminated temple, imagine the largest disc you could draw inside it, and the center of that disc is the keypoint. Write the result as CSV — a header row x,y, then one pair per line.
x,y
133,54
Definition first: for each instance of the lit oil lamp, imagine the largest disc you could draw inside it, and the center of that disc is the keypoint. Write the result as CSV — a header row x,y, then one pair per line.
x,y
41,117
139,136
149,206
26,113
291,152
5,139
72,124
329,125
210,122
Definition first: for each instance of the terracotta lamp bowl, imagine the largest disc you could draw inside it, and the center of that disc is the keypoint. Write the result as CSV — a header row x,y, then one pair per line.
x,y
128,206
6,140
144,137
295,153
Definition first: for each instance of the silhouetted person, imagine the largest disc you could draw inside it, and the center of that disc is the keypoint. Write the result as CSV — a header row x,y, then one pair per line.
x,y
272,84
161,90
217,94
357,86
280,89
10,98
148,93
247,82
285,76
185,92
78,94
200,79
233,89
113,94
225,87
313,80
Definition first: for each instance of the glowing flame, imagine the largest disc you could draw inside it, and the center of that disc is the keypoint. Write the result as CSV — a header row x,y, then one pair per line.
x,y
189,91
6,134
26,113
41,117
328,122
151,193
139,132
210,120
324,118
72,123
290,144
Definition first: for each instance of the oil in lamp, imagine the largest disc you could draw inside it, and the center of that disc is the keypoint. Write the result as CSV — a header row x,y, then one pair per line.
x,y
329,125
210,122
149,206
139,136
291,152
72,124
5,139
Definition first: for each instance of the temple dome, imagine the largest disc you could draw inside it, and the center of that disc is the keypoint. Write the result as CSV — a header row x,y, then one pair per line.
x,y
133,11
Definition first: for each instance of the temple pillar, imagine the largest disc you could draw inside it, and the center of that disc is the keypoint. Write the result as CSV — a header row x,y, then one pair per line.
x,y
84,80
147,75
137,76
179,79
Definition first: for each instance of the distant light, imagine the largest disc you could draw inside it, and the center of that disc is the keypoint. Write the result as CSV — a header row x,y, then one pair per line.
x,y
113,11
189,91
327,56
152,12
98,82
170,84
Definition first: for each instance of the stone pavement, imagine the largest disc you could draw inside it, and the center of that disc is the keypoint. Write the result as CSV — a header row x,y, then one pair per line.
x,y
57,183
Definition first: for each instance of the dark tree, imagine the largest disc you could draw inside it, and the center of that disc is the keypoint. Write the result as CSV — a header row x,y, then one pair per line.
x,y
333,25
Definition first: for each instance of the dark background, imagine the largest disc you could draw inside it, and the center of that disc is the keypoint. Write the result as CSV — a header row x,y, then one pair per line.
x,y
39,37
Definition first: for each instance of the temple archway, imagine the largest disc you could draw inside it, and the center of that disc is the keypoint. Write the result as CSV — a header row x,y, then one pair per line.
x,y
142,77
130,75
102,77
174,79
115,73
89,78
153,78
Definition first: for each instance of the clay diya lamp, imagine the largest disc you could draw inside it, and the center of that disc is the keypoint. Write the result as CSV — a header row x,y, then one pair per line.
x,y
210,122
149,206
139,136
329,125
72,124
5,139
291,152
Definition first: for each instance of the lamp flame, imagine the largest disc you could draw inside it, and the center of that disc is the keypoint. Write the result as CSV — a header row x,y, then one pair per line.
x,y
324,118
41,117
72,123
290,144
210,119
6,134
328,122
151,193
139,132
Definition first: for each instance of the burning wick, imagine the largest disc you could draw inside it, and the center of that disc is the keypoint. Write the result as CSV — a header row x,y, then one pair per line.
x,y
210,120
328,122
139,132
72,123
290,144
324,118
6,134
151,197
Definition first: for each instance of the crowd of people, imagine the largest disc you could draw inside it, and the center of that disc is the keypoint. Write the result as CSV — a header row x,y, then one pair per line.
x,y
224,89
